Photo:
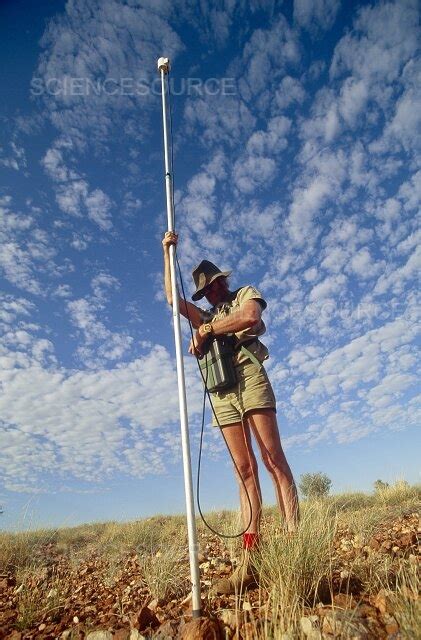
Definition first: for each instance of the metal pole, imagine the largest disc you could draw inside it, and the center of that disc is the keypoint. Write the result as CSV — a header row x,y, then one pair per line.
x,y
163,67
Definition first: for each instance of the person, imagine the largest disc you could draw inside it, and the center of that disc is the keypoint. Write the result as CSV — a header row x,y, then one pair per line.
x,y
248,408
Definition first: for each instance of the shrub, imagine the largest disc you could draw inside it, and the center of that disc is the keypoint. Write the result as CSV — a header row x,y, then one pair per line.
x,y
315,485
379,486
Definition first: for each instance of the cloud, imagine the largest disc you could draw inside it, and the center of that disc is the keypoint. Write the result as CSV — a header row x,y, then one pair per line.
x,y
100,344
396,278
390,387
25,249
16,159
72,190
315,15
384,38
89,425
290,91
98,205
307,201
253,172
219,118
362,264
266,57
91,91
329,286
369,379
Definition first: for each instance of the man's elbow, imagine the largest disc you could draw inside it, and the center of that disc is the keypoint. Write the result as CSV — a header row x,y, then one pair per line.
x,y
252,317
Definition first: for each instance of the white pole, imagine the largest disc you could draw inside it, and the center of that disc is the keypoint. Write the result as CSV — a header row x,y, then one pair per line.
x,y
164,66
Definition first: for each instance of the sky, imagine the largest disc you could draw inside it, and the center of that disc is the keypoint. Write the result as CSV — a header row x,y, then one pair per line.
x,y
296,135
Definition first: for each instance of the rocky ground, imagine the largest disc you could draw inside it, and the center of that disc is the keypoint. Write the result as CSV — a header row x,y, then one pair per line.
x,y
65,601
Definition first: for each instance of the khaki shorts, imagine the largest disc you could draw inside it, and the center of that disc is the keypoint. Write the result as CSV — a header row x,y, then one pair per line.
x,y
252,391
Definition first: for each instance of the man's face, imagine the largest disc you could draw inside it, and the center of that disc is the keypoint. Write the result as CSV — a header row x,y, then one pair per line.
x,y
216,291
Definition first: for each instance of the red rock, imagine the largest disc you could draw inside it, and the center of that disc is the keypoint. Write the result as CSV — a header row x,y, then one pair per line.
x,y
383,601
374,544
121,634
407,540
201,629
366,610
344,601
144,618
14,635
390,624
386,545
167,630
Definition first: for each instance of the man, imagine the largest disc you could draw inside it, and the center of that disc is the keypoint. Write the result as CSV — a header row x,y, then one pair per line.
x,y
249,407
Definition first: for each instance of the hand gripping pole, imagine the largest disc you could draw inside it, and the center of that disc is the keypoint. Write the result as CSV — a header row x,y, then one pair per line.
x,y
163,67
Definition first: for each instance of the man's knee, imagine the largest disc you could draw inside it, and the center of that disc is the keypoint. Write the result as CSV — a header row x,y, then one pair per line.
x,y
275,462
246,470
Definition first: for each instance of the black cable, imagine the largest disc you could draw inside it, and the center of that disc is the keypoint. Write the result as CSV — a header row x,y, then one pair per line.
x,y
206,392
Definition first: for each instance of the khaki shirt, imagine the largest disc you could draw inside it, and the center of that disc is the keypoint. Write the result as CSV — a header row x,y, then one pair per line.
x,y
223,309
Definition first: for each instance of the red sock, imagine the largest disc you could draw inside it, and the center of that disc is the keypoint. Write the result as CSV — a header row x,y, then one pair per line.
x,y
250,540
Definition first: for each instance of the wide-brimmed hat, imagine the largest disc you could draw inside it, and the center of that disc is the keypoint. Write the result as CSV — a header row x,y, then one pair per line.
x,y
204,274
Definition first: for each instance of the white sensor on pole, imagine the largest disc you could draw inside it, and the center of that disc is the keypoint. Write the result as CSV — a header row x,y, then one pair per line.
x,y
163,67
164,64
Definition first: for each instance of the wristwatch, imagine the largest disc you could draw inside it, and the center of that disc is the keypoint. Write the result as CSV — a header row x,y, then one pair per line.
x,y
207,328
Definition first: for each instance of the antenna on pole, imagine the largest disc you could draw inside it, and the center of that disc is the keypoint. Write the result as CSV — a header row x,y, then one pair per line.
x,y
163,68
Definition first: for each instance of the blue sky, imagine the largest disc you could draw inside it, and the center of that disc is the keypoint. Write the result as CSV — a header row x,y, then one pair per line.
x,y
296,155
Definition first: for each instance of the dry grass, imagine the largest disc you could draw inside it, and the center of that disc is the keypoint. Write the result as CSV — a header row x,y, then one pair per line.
x,y
38,594
296,573
166,572
407,604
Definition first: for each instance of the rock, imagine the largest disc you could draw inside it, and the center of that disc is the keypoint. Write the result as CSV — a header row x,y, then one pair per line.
x,y
386,545
135,635
374,544
121,634
309,626
344,601
383,601
153,605
187,602
228,617
167,631
42,626
100,634
15,635
144,618
344,624
366,610
407,539
390,624
201,629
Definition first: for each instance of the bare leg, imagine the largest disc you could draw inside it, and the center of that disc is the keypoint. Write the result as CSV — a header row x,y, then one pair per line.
x,y
238,439
265,429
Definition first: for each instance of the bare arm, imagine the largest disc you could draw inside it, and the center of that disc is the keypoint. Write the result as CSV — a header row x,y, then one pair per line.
x,y
248,315
187,309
